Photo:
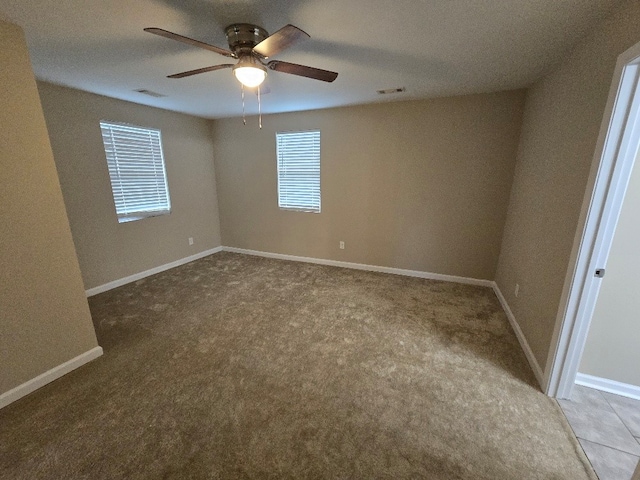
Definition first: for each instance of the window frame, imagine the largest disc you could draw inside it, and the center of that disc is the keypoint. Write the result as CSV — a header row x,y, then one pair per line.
x,y
286,206
153,154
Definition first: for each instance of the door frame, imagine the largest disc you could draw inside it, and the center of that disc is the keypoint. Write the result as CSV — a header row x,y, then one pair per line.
x,y
613,161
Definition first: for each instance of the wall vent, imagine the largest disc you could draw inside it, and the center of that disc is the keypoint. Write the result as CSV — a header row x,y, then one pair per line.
x,y
387,91
150,93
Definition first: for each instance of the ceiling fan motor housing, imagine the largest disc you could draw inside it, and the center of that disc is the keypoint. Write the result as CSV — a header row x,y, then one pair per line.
x,y
242,37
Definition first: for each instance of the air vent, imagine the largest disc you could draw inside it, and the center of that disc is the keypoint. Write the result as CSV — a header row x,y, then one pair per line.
x,y
391,90
150,93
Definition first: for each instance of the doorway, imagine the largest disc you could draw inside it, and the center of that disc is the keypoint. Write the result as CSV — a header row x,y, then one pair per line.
x,y
616,151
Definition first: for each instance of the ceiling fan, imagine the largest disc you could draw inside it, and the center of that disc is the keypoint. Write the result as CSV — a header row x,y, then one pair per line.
x,y
251,46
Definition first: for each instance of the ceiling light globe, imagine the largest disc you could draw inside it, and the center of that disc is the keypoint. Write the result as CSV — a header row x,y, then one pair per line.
x,y
250,75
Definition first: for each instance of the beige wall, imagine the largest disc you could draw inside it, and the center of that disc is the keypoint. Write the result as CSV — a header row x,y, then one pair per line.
x,y
419,185
44,316
562,119
613,344
108,250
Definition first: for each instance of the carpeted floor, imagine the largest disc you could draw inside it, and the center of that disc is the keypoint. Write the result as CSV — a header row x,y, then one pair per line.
x,y
243,367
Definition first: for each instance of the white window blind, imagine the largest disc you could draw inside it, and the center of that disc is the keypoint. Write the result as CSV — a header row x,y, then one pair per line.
x,y
299,170
136,168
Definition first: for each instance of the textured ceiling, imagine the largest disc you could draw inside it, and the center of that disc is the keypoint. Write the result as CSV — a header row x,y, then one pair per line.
x,y
433,48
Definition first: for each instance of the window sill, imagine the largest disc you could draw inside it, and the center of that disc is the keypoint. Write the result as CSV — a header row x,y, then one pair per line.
x,y
303,210
141,216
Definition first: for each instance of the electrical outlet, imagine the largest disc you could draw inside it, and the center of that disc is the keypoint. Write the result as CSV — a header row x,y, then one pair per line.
x,y
190,240
341,245
517,289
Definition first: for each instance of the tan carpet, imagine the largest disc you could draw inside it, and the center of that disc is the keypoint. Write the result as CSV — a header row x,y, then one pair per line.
x,y
244,367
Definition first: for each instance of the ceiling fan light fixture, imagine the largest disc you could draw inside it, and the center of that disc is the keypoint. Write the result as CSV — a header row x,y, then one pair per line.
x,y
250,72
251,45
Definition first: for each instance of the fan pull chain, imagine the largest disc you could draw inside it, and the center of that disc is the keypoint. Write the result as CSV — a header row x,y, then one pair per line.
x,y
259,110
244,119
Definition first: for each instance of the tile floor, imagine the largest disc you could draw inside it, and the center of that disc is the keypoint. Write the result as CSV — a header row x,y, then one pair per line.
x,y
608,428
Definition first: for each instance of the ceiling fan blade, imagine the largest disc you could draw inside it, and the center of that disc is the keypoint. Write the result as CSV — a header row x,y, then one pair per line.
x,y
283,38
200,70
302,70
188,41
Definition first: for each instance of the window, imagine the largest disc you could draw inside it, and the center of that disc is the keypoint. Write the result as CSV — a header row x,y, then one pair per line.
x,y
299,170
136,169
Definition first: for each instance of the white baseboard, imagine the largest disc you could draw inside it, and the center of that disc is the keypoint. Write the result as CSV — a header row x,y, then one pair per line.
x,y
535,366
48,376
147,273
606,385
362,266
